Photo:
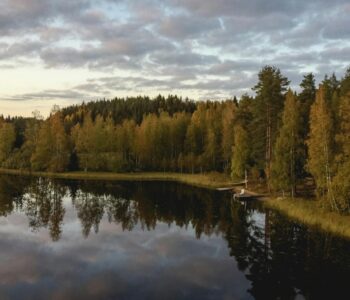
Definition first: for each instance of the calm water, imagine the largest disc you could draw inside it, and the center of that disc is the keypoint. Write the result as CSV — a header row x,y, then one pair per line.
x,y
144,240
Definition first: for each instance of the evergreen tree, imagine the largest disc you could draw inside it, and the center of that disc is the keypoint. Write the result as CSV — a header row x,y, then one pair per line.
x,y
269,102
306,99
330,85
345,83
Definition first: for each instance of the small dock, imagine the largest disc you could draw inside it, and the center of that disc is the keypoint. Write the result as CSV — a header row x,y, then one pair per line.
x,y
240,192
245,195
232,187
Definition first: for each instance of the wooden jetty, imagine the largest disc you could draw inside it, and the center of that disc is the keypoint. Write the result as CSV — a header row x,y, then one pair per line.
x,y
244,195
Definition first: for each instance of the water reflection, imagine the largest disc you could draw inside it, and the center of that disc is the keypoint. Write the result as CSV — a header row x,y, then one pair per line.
x,y
43,206
157,240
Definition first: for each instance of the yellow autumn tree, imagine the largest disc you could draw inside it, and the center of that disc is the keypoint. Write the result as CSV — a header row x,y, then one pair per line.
x,y
341,181
320,147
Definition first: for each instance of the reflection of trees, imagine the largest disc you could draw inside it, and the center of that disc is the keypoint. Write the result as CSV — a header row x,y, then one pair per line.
x,y
151,203
44,206
280,258
90,211
11,193
122,211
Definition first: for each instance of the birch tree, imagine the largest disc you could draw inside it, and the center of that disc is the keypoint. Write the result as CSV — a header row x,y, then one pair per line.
x,y
288,147
320,147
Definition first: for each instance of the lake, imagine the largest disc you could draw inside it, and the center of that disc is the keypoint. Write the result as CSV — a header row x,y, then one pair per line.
x,y
157,240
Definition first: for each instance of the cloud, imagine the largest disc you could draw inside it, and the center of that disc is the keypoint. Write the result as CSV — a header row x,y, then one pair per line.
x,y
194,45
47,95
182,27
25,48
28,15
183,59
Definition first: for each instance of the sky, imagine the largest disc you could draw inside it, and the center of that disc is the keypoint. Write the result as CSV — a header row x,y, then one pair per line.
x,y
64,52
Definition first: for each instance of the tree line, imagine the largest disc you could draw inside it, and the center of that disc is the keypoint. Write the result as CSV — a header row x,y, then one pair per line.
x,y
278,136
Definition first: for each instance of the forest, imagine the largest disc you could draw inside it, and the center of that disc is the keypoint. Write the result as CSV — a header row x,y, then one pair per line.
x,y
280,137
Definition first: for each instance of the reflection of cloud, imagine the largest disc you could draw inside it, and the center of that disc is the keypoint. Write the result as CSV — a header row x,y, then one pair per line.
x,y
114,263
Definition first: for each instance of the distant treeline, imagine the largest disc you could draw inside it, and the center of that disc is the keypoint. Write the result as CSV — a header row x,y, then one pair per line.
x,y
277,136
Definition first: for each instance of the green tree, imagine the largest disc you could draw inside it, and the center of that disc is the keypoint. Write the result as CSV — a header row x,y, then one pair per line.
x,y
270,91
306,99
345,83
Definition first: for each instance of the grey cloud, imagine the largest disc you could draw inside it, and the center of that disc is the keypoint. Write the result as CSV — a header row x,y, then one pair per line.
x,y
183,59
339,54
182,26
229,66
179,72
48,95
164,45
119,52
137,82
147,11
208,8
27,15
338,24
25,48
129,83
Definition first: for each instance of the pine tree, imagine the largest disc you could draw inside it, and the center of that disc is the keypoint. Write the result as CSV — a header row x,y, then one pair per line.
x,y
306,99
345,83
268,108
287,148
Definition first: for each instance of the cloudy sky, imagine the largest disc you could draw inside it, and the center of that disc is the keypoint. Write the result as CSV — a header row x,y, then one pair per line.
x,y
64,51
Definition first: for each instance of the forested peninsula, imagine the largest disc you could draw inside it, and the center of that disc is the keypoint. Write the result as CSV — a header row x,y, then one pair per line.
x,y
289,143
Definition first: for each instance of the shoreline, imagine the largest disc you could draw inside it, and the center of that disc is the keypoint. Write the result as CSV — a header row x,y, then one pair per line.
x,y
307,212
211,181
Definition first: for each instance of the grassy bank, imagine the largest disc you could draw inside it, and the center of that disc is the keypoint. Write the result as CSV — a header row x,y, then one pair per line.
x,y
208,180
311,213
